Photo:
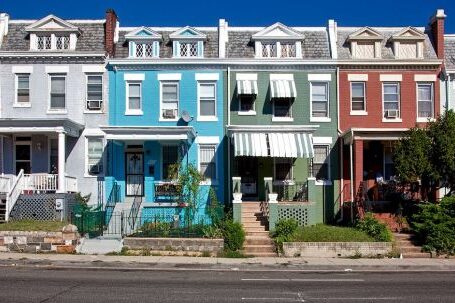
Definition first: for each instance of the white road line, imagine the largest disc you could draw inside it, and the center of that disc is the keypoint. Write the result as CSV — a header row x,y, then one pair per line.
x,y
274,299
363,299
304,280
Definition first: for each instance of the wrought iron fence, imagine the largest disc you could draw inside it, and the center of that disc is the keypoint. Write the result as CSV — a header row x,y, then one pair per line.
x,y
291,192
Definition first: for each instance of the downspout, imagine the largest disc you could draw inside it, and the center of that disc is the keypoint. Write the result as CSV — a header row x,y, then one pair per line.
x,y
227,133
341,143
352,173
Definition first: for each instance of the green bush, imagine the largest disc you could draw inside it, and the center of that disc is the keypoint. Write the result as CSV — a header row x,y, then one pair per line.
x,y
233,235
372,227
284,232
328,233
435,226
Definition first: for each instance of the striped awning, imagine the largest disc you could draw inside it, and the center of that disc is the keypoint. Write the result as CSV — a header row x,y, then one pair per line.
x,y
250,144
283,89
277,145
247,87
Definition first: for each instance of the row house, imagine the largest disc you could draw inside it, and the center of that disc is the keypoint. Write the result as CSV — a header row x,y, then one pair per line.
x,y
448,85
53,93
388,83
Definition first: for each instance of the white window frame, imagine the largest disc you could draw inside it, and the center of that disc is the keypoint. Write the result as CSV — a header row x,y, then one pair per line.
x,y
162,82
398,84
51,110
288,181
188,48
16,90
425,119
204,117
356,112
320,119
87,174
215,146
87,109
128,111
144,43
329,175
278,49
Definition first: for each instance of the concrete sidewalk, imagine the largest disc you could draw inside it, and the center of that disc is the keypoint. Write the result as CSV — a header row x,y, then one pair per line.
x,y
201,263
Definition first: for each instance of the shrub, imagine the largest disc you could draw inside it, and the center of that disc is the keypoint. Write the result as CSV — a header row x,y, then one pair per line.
x,y
435,225
233,235
372,227
284,231
328,233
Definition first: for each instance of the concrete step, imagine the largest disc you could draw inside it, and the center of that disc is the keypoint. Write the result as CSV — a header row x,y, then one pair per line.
x,y
248,219
253,224
258,241
254,229
410,249
416,255
99,246
258,248
261,233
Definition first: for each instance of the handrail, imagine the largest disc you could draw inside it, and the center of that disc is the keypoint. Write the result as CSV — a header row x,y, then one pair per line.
x,y
14,193
5,183
135,208
41,182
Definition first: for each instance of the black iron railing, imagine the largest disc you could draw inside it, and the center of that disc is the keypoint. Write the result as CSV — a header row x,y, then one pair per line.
x,y
291,192
167,192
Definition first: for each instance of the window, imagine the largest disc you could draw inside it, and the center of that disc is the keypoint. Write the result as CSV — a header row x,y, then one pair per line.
x,y
391,100
288,50
134,105
283,169
425,100
365,50
188,49
319,165
269,50
279,49
62,42
207,161
407,50
246,103
170,157
52,42
22,89
144,50
58,92
94,156
53,156
320,99
169,100
43,42
94,92
358,96
207,99
282,107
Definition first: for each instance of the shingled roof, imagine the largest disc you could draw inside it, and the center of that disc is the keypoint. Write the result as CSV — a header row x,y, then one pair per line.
x,y
449,52
91,38
343,46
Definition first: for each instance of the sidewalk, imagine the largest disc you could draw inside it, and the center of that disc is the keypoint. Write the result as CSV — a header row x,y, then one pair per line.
x,y
201,263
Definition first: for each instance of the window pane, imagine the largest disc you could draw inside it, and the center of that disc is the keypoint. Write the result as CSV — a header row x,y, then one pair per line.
x,y
135,103
319,165
357,90
391,105
170,157
390,89
246,103
390,97
207,161
57,102
319,91
282,108
207,108
169,92
207,90
134,90
58,85
425,92
23,81
95,155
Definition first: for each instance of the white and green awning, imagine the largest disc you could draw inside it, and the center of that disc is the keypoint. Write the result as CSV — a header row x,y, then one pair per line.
x,y
282,89
277,145
247,87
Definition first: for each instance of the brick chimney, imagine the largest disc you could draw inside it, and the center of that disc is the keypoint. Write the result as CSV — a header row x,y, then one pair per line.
x,y
437,31
111,31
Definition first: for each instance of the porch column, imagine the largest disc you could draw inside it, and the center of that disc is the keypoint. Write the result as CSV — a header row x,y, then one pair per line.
x,y
358,164
61,162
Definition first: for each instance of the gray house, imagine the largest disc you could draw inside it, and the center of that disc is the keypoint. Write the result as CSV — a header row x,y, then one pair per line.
x,y
53,97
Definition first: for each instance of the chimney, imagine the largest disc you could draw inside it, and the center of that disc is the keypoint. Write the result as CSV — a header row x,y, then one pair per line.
x,y
437,31
4,20
111,32
222,38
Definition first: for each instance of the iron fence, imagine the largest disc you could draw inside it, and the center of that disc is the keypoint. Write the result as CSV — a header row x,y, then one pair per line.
x,y
291,192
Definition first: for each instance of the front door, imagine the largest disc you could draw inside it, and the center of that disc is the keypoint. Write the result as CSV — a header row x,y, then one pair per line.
x,y
134,174
23,155
247,169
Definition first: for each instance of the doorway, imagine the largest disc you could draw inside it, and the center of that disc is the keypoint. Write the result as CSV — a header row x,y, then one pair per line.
x,y
247,170
134,173
23,154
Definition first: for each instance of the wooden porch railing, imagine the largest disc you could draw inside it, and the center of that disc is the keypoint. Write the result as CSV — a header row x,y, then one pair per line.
x,y
41,182
15,191
5,183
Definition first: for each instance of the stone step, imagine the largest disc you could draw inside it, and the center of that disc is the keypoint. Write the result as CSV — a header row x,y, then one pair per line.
x,y
254,229
258,241
410,249
258,248
253,224
253,219
416,255
261,233
262,254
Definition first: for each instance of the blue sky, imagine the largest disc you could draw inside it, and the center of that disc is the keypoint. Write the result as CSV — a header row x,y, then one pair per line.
x,y
240,12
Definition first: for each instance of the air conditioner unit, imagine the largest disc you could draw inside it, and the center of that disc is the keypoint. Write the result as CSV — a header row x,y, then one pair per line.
x,y
169,113
391,113
94,104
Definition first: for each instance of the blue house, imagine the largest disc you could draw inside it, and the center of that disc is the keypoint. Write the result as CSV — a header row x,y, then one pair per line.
x,y
165,108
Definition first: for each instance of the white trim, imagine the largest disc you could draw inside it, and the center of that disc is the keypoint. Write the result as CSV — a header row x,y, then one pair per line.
x,y
433,109
207,77
250,77
206,117
128,111
176,82
319,77
207,140
103,159
389,77
134,77
247,113
288,77
169,77
329,173
215,158
398,119
59,69
322,140
320,119
358,77
358,113
50,110
425,78
282,119
93,69
22,69
86,109
16,87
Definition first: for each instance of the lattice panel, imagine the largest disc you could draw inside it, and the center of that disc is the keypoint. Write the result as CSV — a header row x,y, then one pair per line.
x,y
148,50
298,214
35,207
139,50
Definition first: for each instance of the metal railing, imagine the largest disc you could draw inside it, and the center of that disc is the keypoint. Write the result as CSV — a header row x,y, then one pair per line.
x,y
291,192
166,192
15,191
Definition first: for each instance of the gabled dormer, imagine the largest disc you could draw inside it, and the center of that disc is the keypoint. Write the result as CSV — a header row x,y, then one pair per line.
x,y
408,43
365,43
188,42
52,34
278,41
143,43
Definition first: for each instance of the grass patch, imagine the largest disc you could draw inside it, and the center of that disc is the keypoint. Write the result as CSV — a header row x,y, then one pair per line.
x,y
32,225
327,233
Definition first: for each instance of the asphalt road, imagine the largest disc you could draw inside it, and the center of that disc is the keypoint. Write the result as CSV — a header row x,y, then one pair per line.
x,y
82,285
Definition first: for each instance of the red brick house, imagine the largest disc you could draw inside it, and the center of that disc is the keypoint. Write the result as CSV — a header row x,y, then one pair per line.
x,y
388,82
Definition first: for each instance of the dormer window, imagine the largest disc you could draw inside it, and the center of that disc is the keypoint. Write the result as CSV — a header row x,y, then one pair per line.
x,y
365,43
278,41
188,42
53,34
408,43
143,43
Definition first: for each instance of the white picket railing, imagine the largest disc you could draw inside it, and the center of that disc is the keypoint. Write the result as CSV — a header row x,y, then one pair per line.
x,y
71,184
14,193
41,182
5,183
